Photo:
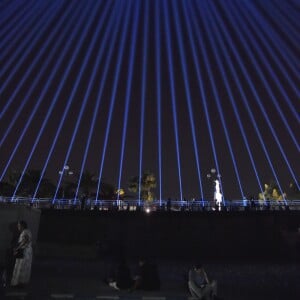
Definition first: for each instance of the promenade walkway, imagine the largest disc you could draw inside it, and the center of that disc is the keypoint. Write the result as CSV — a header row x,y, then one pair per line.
x,y
80,279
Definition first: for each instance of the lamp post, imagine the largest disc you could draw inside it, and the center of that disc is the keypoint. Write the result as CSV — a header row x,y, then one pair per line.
x,y
65,172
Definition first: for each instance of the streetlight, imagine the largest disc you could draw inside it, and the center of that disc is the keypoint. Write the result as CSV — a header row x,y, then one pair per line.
x,y
65,171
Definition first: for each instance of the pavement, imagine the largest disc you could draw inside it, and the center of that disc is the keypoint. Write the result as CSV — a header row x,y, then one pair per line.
x,y
83,279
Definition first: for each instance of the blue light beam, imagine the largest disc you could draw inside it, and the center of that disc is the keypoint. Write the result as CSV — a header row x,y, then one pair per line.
x,y
173,94
113,97
128,89
45,90
114,21
143,95
188,93
76,84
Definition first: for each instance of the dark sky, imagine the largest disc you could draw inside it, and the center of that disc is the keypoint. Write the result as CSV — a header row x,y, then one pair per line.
x,y
218,81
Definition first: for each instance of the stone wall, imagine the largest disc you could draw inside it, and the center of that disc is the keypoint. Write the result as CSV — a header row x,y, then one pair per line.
x,y
175,234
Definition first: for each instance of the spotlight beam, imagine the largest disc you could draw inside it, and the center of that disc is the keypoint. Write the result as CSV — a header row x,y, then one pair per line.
x,y
37,77
266,117
128,90
17,66
217,96
172,90
293,85
250,84
109,38
68,67
290,59
113,97
158,92
12,26
33,112
187,92
231,98
143,92
78,79
201,86
45,90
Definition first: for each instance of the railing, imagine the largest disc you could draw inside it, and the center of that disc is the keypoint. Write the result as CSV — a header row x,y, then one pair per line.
x,y
156,205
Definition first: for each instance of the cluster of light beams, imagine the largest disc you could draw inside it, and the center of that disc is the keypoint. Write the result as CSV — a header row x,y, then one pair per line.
x,y
232,100
128,91
203,51
285,72
188,95
77,28
76,85
259,102
38,76
114,91
200,77
114,21
42,95
218,102
16,66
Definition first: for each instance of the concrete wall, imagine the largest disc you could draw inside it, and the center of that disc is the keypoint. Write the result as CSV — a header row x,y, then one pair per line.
x,y
9,215
176,235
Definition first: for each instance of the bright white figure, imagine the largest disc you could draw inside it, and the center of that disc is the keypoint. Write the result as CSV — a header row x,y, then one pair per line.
x,y
218,195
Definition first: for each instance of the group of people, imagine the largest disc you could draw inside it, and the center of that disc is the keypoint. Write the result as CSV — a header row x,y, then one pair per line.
x,y
18,260
145,278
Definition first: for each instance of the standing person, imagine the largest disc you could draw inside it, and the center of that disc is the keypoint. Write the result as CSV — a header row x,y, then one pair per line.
x,y
23,255
199,285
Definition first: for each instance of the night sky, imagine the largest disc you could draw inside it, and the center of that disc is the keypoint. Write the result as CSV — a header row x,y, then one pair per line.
x,y
206,84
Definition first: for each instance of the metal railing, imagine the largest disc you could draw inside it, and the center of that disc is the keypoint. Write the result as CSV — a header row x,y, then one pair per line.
x,y
156,205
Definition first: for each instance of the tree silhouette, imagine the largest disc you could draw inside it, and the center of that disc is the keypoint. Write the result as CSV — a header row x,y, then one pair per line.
x,y
145,184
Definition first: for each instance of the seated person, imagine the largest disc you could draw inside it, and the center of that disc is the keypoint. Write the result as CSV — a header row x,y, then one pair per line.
x,y
147,277
199,285
122,279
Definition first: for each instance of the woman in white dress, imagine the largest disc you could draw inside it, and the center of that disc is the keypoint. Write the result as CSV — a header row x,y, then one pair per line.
x,y
23,254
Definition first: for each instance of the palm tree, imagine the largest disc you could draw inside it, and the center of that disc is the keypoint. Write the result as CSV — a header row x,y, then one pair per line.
x,y
145,184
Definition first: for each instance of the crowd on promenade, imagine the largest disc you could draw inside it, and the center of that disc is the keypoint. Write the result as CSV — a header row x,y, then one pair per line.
x,y
155,205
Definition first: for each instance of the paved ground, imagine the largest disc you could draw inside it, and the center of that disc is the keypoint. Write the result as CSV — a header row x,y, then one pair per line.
x,y
78,279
